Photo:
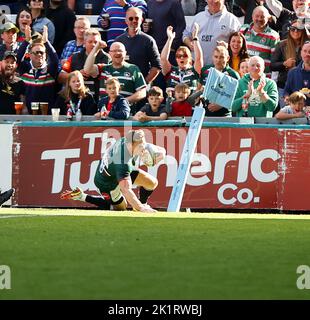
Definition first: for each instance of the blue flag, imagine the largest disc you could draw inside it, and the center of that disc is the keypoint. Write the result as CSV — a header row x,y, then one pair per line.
x,y
220,88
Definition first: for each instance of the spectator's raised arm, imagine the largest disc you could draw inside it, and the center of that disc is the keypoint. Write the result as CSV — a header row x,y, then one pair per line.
x,y
89,66
164,56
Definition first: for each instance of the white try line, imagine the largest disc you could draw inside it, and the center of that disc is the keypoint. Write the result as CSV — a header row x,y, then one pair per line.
x,y
18,216
45,212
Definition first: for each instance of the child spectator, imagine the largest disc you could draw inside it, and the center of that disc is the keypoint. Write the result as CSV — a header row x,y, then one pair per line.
x,y
113,105
75,96
153,110
243,67
183,104
295,108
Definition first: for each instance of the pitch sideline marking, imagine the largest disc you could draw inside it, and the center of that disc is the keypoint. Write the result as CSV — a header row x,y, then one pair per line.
x,y
181,215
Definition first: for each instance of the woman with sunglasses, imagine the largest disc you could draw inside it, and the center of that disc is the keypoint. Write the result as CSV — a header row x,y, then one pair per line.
x,y
287,55
185,71
39,19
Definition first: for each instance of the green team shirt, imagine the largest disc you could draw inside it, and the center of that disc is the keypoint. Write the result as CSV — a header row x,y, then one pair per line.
x,y
256,107
261,44
116,164
188,76
129,76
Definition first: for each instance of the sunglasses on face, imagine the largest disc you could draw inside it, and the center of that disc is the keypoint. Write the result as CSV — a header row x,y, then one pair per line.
x,y
133,18
180,56
294,29
36,53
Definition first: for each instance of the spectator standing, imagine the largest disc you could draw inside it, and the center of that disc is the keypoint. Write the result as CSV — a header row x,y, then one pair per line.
x,y
185,71
63,19
261,39
39,72
257,95
285,16
165,13
80,25
39,20
77,61
248,6
9,38
80,6
23,18
12,88
220,60
141,48
237,50
133,86
189,7
116,9
298,78
287,55
216,24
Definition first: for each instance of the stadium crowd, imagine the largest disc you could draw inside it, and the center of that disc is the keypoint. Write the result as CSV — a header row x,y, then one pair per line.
x,y
142,60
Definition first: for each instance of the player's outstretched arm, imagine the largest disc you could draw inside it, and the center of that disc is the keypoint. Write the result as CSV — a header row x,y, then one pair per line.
x,y
126,189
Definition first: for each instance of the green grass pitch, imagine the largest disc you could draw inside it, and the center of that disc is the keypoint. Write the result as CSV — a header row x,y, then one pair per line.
x,y
86,254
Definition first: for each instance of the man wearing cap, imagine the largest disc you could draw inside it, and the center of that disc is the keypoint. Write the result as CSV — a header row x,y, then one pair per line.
x,y
11,87
8,36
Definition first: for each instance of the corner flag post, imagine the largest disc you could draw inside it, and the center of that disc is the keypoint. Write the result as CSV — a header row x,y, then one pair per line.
x,y
186,159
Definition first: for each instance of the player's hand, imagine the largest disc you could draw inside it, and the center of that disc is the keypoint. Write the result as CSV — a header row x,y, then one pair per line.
x,y
146,208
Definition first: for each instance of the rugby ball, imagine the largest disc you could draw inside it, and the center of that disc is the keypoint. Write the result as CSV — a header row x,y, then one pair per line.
x,y
149,155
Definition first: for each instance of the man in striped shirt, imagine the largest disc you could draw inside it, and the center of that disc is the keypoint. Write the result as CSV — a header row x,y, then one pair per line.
x,y
116,9
261,39
133,86
38,69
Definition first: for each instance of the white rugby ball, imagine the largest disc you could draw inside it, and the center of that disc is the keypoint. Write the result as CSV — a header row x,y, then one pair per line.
x,y
149,155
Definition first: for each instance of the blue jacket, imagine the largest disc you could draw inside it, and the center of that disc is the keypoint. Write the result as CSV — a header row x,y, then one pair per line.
x,y
120,107
297,79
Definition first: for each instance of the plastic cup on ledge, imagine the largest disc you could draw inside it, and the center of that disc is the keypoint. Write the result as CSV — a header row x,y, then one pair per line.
x,y
18,107
35,106
55,114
